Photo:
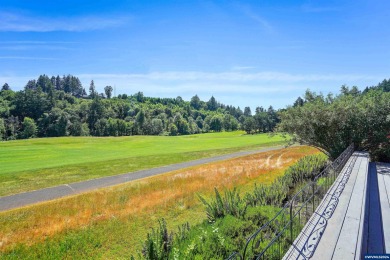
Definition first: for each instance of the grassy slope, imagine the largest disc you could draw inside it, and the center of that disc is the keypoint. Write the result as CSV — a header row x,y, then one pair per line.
x,y
38,163
111,223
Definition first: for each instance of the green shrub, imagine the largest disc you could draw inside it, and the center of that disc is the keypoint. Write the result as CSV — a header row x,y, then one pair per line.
x,y
183,231
307,167
219,239
273,194
230,204
158,243
276,193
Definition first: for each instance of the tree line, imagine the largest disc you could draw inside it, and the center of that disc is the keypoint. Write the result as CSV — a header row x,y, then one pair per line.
x,y
60,106
333,122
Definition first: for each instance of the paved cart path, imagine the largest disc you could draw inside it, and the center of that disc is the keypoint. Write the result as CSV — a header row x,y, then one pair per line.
x,y
31,197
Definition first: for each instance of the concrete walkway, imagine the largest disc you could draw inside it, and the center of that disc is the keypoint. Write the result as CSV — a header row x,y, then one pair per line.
x,y
27,198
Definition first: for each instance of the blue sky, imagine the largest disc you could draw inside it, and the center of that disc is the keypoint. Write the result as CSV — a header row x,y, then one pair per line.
x,y
255,53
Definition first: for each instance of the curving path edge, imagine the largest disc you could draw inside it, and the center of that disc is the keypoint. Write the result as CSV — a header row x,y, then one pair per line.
x,y
46,194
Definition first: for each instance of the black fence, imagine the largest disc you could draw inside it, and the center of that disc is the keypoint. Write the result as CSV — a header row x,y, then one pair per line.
x,y
273,239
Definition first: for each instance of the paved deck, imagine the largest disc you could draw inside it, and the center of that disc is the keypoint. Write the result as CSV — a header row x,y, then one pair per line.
x,y
348,221
354,217
337,225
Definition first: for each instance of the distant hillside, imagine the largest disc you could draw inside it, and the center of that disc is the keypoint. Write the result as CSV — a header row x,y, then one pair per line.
x,y
60,106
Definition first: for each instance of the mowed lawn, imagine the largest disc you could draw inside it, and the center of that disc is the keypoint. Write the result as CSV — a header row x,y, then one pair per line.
x,y
111,223
37,163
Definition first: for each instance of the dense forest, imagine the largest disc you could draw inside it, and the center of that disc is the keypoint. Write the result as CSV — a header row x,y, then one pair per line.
x,y
60,106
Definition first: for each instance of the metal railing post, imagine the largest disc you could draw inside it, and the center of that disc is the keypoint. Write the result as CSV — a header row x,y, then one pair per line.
x,y
313,202
291,220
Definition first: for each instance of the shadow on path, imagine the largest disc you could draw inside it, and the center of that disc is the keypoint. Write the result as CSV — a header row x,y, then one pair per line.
x,y
373,238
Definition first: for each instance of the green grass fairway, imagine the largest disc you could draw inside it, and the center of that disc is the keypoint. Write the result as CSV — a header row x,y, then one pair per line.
x,y
38,163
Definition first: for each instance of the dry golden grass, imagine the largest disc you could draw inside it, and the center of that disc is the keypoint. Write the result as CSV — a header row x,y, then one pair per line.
x,y
144,200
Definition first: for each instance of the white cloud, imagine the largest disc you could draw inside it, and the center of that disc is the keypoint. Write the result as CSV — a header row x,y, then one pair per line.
x,y
239,88
23,23
232,76
236,87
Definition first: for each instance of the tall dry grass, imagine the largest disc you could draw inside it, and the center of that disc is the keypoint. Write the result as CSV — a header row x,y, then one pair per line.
x,y
142,200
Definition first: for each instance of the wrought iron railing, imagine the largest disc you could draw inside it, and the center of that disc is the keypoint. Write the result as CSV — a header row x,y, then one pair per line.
x,y
273,239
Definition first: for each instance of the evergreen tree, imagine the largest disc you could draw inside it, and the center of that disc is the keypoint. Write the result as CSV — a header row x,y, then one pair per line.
x,y
31,84
58,84
247,111
195,102
259,110
44,83
299,102
5,87
212,104
139,96
92,90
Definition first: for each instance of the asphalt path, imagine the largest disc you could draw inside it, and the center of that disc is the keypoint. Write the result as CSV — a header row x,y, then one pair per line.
x,y
37,196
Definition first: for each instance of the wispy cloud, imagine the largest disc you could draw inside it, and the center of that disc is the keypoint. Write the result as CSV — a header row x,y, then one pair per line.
x,y
25,23
241,68
33,45
251,14
233,76
24,58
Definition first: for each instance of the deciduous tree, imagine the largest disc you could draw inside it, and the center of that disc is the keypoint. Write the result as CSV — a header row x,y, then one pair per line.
x,y
108,90
362,119
29,128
